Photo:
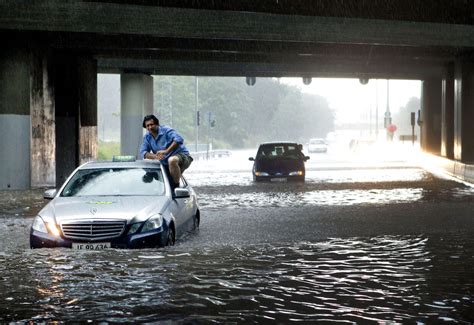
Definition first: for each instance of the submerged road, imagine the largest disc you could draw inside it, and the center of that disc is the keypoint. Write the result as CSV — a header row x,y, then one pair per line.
x,y
361,240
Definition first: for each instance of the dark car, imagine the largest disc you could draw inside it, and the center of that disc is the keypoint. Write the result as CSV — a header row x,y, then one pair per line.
x,y
279,162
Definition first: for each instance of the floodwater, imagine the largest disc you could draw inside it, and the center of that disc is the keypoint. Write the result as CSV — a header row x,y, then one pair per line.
x,y
381,242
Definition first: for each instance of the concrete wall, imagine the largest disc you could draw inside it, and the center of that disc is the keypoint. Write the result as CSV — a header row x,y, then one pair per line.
x,y
14,119
27,121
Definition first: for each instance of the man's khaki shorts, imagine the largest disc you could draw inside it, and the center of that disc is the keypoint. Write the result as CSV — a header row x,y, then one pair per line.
x,y
184,161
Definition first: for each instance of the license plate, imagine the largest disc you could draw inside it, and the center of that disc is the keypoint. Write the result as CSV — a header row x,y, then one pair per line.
x,y
280,179
90,246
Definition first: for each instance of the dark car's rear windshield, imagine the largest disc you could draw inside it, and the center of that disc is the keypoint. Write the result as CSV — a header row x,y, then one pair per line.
x,y
283,150
115,181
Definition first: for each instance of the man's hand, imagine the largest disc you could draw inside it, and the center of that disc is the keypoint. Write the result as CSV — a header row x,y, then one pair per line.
x,y
160,155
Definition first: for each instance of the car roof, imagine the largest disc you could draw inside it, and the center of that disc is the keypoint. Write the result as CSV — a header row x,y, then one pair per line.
x,y
129,164
277,142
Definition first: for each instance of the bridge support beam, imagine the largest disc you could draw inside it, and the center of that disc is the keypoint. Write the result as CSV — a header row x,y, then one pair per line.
x,y
76,113
27,125
136,102
447,114
431,116
464,111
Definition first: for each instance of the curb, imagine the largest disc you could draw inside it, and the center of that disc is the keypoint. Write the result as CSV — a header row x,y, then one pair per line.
x,y
464,172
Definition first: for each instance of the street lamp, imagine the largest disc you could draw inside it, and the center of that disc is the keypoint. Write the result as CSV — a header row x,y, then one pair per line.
x,y
196,125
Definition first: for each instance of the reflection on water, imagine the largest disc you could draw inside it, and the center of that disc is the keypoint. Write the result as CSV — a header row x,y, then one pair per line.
x,y
288,199
244,178
367,175
386,278
424,278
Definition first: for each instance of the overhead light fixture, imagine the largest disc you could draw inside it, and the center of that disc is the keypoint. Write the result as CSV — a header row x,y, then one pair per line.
x,y
364,81
307,80
250,80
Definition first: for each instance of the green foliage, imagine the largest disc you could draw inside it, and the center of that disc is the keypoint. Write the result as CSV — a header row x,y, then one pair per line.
x,y
244,115
108,149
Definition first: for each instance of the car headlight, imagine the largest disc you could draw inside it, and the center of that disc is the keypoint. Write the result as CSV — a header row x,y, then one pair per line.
x,y
45,227
297,173
134,228
39,225
153,222
261,174
53,229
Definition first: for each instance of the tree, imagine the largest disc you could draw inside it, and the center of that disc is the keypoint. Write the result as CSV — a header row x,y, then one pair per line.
x,y
245,115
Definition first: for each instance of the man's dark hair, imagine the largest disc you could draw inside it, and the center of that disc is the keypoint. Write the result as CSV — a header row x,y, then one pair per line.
x,y
150,117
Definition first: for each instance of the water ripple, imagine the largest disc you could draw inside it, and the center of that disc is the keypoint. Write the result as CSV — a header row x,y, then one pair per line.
x,y
386,278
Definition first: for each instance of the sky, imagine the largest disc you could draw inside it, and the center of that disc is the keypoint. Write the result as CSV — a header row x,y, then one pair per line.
x,y
353,101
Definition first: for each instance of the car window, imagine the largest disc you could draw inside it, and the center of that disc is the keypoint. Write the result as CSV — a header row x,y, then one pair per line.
x,y
267,151
293,153
115,181
279,151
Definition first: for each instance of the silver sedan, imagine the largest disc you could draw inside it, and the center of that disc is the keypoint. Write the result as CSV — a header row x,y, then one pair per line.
x,y
116,205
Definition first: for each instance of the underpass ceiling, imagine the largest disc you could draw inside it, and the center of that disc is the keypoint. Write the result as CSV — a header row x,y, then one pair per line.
x,y
270,38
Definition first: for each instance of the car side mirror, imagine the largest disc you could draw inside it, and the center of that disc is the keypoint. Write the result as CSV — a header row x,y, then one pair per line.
x,y
306,158
49,194
181,192
251,158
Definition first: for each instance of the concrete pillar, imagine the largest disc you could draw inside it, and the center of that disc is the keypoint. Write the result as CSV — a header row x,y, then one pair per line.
x,y
26,119
431,116
464,110
43,144
136,101
87,73
15,123
447,114
76,113
67,117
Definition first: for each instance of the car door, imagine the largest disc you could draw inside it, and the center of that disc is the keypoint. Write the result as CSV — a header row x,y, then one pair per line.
x,y
182,210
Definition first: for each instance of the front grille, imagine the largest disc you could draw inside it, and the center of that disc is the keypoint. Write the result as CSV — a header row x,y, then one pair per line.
x,y
92,229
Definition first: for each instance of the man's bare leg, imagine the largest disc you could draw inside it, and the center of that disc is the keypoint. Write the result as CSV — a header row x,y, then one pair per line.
x,y
175,171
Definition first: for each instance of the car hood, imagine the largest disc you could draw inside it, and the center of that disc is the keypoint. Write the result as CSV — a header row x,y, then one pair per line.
x,y
129,208
279,165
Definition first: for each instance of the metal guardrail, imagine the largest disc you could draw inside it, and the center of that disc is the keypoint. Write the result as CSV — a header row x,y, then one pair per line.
x,y
211,154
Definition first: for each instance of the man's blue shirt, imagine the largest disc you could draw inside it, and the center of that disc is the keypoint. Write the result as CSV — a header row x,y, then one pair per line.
x,y
165,138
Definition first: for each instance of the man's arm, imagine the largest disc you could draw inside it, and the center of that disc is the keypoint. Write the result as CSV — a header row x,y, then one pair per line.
x,y
172,134
145,149
162,153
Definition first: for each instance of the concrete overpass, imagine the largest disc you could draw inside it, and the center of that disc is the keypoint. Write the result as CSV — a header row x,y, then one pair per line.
x,y
52,51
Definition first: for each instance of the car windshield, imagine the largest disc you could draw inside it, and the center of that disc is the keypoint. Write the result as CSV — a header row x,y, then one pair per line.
x,y
115,181
279,151
317,141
